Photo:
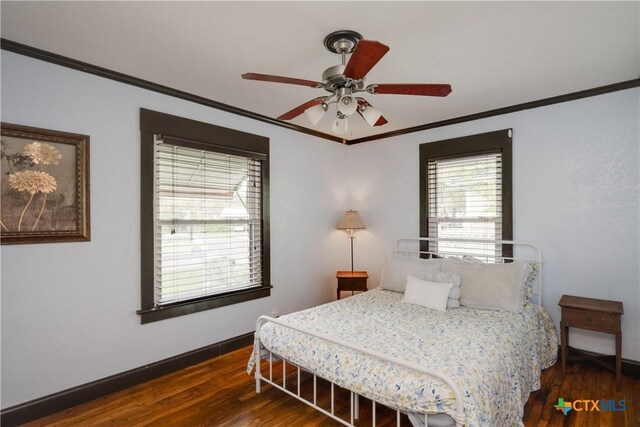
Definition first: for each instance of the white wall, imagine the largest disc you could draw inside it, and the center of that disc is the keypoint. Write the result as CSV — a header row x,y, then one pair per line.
x,y
575,194
68,309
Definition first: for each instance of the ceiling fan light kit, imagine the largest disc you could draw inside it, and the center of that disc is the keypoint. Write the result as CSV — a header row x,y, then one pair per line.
x,y
370,114
346,79
340,124
347,105
316,113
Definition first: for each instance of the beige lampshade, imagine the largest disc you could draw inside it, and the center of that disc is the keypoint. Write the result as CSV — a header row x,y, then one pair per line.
x,y
351,221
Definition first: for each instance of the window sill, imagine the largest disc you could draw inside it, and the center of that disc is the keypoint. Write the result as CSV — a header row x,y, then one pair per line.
x,y
208,303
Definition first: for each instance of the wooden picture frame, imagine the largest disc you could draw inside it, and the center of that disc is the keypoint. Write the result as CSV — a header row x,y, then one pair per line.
x,y
44,185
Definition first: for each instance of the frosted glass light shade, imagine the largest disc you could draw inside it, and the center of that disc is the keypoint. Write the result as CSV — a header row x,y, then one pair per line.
x,y
315,113
339,125
347,105
371,115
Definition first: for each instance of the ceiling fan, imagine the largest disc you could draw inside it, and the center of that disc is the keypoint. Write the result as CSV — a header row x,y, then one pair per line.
x,y
346,80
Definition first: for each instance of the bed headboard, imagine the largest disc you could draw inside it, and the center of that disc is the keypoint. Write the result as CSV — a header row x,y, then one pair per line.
x,y
484,250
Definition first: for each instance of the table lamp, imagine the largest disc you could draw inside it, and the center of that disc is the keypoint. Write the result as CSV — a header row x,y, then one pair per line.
x,y
351,221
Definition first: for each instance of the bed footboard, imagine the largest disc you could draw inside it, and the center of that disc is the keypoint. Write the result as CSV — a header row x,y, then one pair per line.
x,y
458,416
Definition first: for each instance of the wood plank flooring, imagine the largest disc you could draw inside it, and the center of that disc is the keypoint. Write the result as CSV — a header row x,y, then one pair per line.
x,y
219,392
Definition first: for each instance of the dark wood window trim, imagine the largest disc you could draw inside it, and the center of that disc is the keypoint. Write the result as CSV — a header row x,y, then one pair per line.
x,y
466,146
151,123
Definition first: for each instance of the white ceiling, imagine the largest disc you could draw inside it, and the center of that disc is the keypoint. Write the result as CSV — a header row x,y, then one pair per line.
x,y
494,54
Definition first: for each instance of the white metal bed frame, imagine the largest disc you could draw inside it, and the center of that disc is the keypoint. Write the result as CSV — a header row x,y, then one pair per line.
x,y
458,416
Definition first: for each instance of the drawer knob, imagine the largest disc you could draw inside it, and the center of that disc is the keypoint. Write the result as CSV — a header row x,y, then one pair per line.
x,y
589,319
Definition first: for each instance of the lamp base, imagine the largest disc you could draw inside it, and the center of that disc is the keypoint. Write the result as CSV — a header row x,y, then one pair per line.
x,y
352,237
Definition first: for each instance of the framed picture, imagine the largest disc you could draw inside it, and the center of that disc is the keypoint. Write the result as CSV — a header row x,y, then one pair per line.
x,y
44,191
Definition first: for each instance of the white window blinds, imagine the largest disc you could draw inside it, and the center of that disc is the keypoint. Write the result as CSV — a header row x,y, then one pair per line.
x,y
207,222
464,196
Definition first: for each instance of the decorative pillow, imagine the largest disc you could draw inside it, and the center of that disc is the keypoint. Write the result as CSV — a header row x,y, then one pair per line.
x,y
399,265
444,277
530,275
490,286
427,294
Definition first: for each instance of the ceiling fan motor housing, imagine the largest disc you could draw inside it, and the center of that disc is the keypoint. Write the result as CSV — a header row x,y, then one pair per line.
x,y
341,42
334,79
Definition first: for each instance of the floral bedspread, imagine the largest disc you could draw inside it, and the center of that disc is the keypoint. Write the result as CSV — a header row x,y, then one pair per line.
x,y
494,357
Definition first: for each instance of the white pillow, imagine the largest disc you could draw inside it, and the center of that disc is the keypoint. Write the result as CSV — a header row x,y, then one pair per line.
x,y
490,286
453,301
427,294
399,265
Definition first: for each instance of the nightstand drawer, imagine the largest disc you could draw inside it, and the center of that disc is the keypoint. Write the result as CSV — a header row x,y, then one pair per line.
x,y
351,281
596,321
352,284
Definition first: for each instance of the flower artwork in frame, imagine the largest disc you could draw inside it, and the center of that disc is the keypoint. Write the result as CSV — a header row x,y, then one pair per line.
x,y
44,191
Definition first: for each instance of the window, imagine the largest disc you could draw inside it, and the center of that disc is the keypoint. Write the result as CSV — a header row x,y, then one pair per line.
x,y
466,193
205,216
207,222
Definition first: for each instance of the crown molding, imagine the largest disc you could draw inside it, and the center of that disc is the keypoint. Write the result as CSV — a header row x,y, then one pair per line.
x,y
505,110
64,61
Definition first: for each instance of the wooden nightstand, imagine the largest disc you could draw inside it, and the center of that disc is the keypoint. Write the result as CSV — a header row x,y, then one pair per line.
x,y
352,281
595,315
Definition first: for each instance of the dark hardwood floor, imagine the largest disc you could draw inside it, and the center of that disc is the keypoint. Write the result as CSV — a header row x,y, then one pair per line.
x,y
220,393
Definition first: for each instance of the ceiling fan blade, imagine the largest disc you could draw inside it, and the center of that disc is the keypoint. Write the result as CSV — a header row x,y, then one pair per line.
x,y
300,109
280,79
366,54
381,121
411,89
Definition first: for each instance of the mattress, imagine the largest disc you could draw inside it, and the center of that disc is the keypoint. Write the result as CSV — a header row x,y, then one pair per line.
x,y
494,357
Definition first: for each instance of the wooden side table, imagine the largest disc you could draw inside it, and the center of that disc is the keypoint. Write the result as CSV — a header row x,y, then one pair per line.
x,y
352,281
595,315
